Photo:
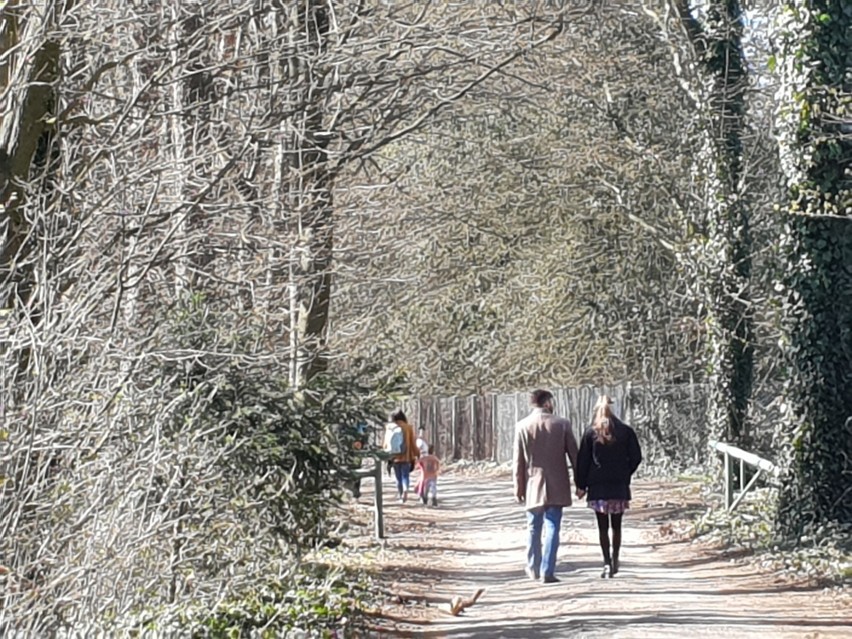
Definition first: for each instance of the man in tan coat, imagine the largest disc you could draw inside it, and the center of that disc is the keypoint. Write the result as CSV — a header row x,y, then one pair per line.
x,y
542,483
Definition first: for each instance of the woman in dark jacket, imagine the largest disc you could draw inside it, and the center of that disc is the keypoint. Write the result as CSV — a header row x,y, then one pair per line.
x,y
609,455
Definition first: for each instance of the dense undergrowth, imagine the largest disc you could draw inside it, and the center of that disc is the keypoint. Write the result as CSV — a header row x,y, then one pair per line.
x,y
187,496
822,556
317,602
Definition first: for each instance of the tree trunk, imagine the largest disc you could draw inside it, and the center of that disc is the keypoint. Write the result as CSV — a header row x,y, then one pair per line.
x,y
309,197
178,137
26,138
816,153
29,154
190,97
723,253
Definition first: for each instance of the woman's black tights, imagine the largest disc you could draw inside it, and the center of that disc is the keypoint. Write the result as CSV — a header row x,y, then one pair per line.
x,y
604,521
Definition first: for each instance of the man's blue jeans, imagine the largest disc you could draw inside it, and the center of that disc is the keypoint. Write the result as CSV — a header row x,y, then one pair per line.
x,y
402,470
538,557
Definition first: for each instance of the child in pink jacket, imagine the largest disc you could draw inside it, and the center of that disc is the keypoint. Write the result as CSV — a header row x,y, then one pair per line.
x,y
429,466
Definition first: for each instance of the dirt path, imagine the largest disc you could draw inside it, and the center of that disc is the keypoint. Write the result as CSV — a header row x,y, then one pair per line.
x,y
667,587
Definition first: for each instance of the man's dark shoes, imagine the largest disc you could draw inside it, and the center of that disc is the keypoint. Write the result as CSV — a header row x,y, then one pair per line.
x,y
614,570
550,579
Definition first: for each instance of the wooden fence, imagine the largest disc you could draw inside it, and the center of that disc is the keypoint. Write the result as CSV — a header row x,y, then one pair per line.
x,y
669,419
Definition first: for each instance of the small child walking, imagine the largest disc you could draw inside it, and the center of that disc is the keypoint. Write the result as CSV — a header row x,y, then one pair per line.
x,y
427,486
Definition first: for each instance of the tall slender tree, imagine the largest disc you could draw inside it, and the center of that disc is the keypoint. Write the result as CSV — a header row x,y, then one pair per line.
x,y
721,246
29,151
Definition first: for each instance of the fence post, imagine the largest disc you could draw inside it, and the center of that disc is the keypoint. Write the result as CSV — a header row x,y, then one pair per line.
x,y
378,500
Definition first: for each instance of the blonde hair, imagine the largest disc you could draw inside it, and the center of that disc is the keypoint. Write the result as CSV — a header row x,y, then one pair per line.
x,y
602,424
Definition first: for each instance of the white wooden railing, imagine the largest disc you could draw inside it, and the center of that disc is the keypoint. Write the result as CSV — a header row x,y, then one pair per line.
x,y
732,453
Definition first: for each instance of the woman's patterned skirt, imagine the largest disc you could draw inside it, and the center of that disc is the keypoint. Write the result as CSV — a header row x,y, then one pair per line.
x,y
609,506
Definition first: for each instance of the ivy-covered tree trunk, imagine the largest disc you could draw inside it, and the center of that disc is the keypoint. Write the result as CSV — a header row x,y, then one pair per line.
x,y
815,60
722,253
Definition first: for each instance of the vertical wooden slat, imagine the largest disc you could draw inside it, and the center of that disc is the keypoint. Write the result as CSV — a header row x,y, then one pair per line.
x,y
463,416
433,423
452,428
493,423
474,428
517,412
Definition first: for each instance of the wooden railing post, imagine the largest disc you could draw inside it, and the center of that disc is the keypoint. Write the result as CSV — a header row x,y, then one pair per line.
x,y
375,473
378,500
729,481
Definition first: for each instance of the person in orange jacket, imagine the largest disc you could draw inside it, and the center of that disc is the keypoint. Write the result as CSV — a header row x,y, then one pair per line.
x,y
400,441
